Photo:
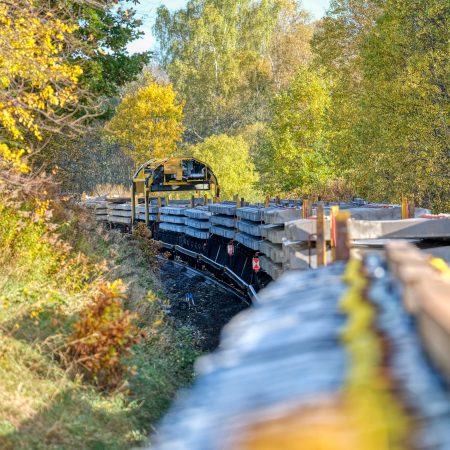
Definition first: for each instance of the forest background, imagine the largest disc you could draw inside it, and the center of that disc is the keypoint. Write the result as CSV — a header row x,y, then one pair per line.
x,y
356,103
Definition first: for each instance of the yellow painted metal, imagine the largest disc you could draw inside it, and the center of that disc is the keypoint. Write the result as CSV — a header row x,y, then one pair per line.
x,y
146,208
133,205
169,173
404,208
408,208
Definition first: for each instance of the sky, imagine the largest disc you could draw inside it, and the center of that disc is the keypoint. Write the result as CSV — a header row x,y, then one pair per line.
x,y
147,10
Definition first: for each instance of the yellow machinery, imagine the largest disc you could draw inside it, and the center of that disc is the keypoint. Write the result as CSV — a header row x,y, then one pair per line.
x,y
171,175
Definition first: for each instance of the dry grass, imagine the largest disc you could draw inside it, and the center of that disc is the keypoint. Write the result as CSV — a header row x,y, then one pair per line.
x,y
45,282
111,190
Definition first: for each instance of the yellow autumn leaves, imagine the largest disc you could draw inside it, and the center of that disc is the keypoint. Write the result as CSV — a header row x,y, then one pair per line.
x,y
148,122
35,79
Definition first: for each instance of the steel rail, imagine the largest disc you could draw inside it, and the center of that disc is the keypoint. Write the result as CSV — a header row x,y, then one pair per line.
x,y
236,279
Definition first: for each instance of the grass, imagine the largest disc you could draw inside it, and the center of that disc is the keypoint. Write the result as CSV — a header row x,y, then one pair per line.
x,y
45,281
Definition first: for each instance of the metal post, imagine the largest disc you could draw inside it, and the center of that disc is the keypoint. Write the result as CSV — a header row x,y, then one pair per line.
x,y
342,237
320,239
158,214
411,210
146,207
133,204
405,209
333,213
305,208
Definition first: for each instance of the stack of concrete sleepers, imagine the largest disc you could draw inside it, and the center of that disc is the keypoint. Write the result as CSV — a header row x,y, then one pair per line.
x,y
298,246
273,230
152,212
249,227
119,213
300,235
432,234
401,229
99,206
223,219
197,222
380,212
173,219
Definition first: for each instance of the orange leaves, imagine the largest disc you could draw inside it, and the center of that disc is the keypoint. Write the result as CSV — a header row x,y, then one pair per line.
x,y
103,336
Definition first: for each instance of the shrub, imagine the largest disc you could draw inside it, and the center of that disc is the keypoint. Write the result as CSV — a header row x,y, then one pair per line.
x,y
147,246
103,336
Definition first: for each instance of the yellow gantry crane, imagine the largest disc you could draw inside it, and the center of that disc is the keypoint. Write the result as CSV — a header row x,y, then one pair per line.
x,y
171,175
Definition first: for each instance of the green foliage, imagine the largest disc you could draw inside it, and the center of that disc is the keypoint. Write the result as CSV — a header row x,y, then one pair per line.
x,y
222,59
45,287
389,129
337,44
294,156
404,128
229,158
103,35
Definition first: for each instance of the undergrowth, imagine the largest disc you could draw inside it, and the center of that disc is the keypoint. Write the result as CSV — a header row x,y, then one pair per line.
x,y
84,364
